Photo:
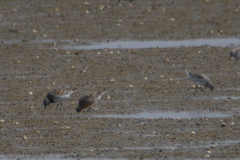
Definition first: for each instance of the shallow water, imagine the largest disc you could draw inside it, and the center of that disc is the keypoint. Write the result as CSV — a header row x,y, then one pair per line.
x,y
172,115
49,157
221,42
226,97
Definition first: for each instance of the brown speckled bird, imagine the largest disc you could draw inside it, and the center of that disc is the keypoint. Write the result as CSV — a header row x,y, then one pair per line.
x,y
87,101
57,95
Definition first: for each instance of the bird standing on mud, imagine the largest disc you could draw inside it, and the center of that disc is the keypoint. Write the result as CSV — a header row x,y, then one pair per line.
x,y
57,95
235,53
200,79
87,101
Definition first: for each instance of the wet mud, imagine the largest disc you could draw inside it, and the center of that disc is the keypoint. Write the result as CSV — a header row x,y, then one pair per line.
x,y
140,82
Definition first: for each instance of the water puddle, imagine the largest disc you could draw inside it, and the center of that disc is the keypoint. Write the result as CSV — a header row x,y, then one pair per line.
x,y
226,97
229,89
168,147
172,115
51,157
221,42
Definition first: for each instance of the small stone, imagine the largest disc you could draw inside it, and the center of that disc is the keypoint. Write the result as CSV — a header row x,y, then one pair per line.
x,y
145,78
55,49
24,137
108,97
111,52
2,121
130,85
34,31
119,125
193,86
209,152
87,11
206,156
31,107
112,80
67,52
232,123
86,3
56,122
76,40
172,19
30,93
101,8
98,52
72,67
192,132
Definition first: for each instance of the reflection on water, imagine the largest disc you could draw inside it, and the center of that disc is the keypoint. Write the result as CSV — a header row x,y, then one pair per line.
x,y
172,115
223,42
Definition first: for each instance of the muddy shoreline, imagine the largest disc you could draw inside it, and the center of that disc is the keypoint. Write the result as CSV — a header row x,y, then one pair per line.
x,y
138,81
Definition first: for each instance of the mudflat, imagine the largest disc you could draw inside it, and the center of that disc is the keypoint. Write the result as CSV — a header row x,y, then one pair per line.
x,y
141,83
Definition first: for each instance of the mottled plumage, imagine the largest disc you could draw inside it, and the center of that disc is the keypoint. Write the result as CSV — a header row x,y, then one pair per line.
x,y
88,100
235,53
200,79
57,95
